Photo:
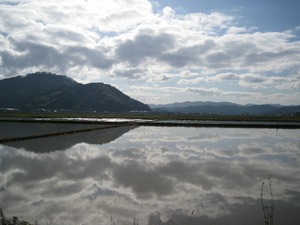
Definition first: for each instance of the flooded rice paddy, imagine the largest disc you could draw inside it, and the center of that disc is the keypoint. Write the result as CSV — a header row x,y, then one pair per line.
x,y
149,174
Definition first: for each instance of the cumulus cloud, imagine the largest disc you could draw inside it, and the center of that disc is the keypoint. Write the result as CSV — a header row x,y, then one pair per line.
x,y
131,72
144,46
95,40
189,55
143,182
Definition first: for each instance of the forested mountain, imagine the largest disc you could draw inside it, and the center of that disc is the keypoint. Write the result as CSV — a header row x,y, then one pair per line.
x,y
47,91
225,108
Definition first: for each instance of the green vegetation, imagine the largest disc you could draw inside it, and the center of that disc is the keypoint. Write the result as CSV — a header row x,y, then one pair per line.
x,y
156,119
150,116
43,91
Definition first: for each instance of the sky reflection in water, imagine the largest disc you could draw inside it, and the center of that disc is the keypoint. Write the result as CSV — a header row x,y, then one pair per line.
x,y
155,174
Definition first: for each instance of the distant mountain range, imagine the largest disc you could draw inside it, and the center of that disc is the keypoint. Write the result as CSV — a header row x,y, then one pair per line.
x,y
47,91
225,108
44,91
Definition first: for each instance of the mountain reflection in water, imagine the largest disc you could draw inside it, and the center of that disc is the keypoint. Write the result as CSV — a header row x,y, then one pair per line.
x,y
62,142
157,175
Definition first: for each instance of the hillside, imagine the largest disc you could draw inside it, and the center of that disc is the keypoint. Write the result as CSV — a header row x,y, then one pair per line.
x,y
46,91
225,108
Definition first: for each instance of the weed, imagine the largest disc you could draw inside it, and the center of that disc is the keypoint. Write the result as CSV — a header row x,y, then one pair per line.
x,y
268,210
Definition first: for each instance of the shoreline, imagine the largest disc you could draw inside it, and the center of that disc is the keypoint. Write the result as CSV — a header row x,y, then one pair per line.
x,y
119,121
106,123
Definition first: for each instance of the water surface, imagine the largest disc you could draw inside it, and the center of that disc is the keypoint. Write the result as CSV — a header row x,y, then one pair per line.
x,y
157,175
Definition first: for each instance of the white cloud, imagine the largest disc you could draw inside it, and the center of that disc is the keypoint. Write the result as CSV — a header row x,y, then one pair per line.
x,y
127,39
237,30
191,81
168,13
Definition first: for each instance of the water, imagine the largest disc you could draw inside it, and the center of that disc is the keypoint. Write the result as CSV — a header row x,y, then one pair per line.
x,y
152,175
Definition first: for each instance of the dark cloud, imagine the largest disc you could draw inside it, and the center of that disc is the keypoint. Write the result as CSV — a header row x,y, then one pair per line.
x,y
294,196
129,153
143,182
226,77
28,55
260,57
60,189
209,174
38,203
225,53
85,56
246,211
143,47
254,79
131,73
11,3
66,35
188,55
218,60
2,188
179,58
189,173
37,169
95,191
8,197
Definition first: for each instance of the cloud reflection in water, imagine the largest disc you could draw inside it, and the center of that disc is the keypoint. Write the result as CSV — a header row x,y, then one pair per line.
x,y
157,174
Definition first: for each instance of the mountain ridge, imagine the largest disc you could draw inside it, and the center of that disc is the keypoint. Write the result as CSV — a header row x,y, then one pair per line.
x,y
225,108
47,91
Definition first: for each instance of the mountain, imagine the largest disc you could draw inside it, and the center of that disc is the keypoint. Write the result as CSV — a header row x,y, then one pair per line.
x,y
59,143
188,104
47,91
225,108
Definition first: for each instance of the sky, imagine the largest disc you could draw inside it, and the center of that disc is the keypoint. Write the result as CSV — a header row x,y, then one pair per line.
x,y
159,52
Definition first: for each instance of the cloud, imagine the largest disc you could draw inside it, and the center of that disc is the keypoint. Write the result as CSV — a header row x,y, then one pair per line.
x,y
143,182
116,16
137,40
168,13
54,25
225,77
250,80
191,81
144,46
205,91
237,30
130,73
94,57
187,55
246,80
29,54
